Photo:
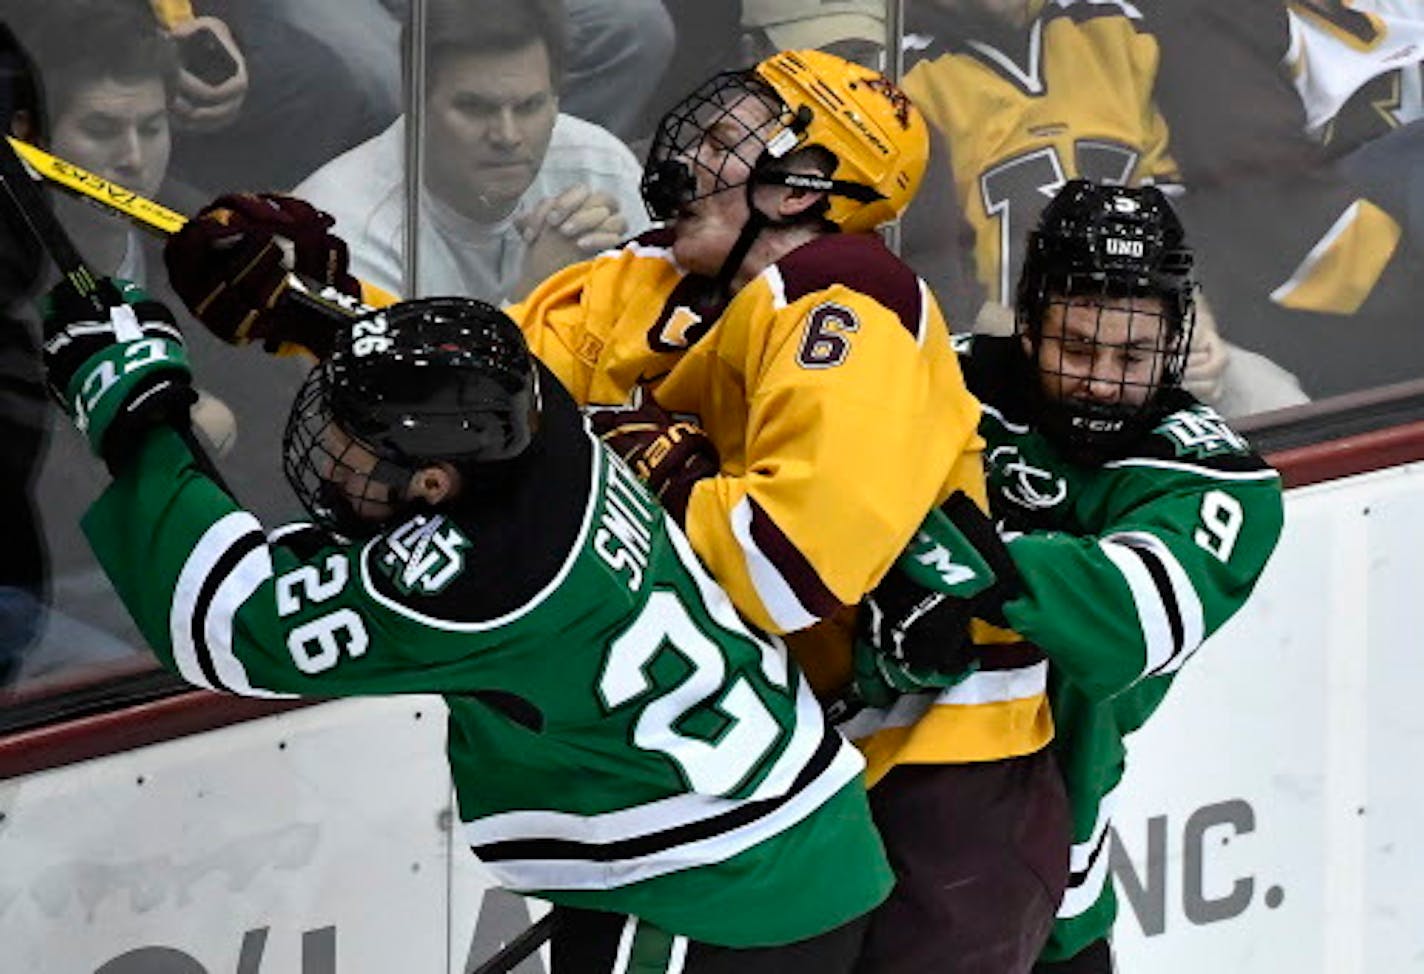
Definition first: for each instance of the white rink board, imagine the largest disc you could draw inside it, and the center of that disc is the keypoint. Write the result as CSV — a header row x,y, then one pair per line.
x,y
1280,774
1269,816
310,843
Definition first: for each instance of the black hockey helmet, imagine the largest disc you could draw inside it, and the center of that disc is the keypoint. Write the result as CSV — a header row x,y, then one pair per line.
x,y
1101,247
434,379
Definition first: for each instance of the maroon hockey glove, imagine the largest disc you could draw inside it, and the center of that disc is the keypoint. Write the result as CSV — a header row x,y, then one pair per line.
x,y
229,264
669,455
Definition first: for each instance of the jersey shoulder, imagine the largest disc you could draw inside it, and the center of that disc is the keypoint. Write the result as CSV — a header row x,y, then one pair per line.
x,y
1190,435
482,560
859,262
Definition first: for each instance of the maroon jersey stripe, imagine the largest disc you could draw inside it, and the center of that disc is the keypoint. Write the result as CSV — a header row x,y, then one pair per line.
x,y
807,586
860,262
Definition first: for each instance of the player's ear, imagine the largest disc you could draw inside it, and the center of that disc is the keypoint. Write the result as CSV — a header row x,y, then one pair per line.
x,y
796,201
435,484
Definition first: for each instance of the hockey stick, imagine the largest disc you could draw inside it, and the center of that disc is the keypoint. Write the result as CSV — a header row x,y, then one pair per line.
x,y
519,948
23,200
158,219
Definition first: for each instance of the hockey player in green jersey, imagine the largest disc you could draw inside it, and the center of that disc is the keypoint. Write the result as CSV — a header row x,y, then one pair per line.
x,y
1135,522
621,743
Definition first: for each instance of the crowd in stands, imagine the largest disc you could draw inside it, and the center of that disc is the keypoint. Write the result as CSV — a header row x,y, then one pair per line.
x,y
1287,133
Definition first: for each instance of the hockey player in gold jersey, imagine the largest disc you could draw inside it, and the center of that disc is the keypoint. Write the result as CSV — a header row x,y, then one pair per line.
x,y
814,361
770,369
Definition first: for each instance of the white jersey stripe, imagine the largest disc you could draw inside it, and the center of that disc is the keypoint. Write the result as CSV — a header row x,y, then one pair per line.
x,y
775,659
1157,641
777,285
922,327
625,945
649,818
771,587
215,542
992,686
1183,594
1088,864
250,574
997,686
576,874
1208,472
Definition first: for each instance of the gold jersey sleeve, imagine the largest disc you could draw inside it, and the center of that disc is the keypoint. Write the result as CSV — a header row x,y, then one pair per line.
x,y
607,324
1076,100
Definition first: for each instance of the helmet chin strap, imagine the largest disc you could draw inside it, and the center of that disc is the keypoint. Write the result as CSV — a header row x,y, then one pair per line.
x,y
756,223
394,476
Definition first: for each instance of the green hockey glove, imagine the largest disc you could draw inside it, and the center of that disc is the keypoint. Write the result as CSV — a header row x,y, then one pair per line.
x,y
955,570
880,680
117,377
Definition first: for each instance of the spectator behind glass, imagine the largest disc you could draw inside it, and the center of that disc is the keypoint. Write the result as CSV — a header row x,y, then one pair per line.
x,y
303,102
852,29
513,189
23,402
1305,198
709,40
615,48
1022,97
108,75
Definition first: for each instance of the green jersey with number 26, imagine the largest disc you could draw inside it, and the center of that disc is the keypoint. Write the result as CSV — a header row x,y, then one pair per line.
x,y
1127,566
619,740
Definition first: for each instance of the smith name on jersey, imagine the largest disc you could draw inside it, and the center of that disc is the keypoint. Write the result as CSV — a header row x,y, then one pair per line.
x,y
816,382
619,739
1127,567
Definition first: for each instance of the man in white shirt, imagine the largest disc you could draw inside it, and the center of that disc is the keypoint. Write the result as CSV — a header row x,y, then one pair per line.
x,y
513,189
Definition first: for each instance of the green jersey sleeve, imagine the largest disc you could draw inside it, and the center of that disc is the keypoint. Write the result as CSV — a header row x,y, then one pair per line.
x,y
1156,552
229,608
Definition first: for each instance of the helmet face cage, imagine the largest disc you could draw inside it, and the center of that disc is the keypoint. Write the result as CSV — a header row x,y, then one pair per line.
x,y
341,483
1106,309
702,136
440,379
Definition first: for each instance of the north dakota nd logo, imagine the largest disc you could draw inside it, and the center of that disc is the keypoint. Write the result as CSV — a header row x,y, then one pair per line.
x,y
1201,432
424,554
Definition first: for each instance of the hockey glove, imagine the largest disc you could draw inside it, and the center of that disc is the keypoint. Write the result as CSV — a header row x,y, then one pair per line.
x,y
956,569
118,377
230,263
667,454
880,680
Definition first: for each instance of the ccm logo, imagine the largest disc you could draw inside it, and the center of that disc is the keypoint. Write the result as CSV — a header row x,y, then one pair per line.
x,y
1117,247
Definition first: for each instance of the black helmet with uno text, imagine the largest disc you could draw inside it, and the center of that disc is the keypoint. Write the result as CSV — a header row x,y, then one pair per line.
x,y
1109,272
434,379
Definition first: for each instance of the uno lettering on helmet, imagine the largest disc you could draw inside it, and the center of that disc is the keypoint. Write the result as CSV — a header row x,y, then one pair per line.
x,y
1118,247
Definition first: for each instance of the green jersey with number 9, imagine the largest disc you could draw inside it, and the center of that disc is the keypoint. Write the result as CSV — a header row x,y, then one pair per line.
x,y
619,739
1126,566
